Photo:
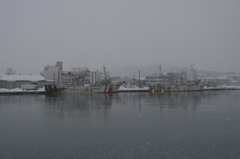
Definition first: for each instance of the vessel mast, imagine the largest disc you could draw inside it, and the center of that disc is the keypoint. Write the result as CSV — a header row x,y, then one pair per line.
x,y
104,71
139,78
160,73
193,72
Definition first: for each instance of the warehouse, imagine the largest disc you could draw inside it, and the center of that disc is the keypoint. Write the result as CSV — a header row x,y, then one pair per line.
x,y
16,81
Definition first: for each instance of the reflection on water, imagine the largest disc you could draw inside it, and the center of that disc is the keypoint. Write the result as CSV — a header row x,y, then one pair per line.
x,y
87,102
121,125
169,100
72,103
183,100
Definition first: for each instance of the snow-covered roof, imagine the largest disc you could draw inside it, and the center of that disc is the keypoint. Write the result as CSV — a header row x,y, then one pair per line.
x,y
223,78
216,78
141,78
210,78
22,78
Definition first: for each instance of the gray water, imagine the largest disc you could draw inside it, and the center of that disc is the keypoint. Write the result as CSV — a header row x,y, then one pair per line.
x,y
121,125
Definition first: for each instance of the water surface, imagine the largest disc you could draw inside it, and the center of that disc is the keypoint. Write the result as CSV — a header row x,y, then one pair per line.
x,y
121,125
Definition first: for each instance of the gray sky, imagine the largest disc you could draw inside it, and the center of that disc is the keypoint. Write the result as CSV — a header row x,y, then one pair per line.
x,y
119,33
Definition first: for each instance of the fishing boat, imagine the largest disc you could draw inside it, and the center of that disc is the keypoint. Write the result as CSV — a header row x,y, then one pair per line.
x,y
104,85
127,87
177,82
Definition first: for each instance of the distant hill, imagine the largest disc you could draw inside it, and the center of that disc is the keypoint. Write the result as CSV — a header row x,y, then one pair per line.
x,y
154,69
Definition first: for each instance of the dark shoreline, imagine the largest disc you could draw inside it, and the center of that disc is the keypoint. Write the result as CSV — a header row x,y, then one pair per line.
x,y
43,92
20,93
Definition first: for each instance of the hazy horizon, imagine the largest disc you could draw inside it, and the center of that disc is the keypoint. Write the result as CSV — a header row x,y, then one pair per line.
x,y
83,33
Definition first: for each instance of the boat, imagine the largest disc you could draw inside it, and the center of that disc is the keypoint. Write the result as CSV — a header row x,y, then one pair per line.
x,y
52,89
104,85
177,82
183,87
127,87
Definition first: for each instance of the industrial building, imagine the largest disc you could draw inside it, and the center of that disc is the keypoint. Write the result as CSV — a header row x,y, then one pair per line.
x,y
56,75
16,81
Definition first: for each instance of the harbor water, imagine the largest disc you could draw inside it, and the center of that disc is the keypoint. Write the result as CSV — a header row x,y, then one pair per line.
x,y
121,126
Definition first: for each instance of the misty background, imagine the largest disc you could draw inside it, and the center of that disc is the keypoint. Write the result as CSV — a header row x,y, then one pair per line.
x,y
118,34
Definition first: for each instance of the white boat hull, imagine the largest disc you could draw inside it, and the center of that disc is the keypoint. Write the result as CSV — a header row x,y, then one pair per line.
x,y
111,88
184,88
177,88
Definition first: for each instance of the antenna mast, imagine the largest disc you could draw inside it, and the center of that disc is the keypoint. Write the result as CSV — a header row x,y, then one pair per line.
x,y
104,72
160,71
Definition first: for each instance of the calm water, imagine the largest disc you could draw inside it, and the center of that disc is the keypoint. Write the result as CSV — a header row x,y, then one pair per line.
x,y
123,125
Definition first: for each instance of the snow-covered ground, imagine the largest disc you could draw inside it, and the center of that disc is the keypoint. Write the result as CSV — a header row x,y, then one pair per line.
x,y
18,90
122,88
222,87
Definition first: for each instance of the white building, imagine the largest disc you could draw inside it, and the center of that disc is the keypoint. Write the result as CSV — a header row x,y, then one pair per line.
x,y
56,75
52,74
16,81
9,71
